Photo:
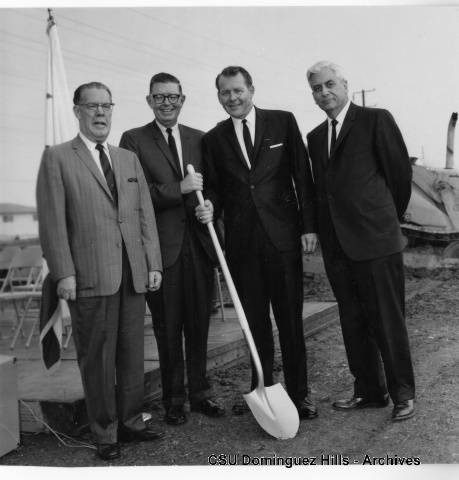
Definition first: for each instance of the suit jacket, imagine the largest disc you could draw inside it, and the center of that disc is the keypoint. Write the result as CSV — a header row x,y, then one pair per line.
x,y
365,186
278,189
174,211
82,230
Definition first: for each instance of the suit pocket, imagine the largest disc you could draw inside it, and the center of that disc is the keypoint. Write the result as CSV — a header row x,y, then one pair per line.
x,y
277,145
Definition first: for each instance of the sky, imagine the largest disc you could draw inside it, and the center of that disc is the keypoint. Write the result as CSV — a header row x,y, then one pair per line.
x,y
406,56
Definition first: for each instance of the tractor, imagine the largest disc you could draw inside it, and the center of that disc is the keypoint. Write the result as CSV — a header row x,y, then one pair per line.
x,y
432,215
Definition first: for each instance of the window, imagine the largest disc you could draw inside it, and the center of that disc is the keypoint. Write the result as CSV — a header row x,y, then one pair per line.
x,y
8,218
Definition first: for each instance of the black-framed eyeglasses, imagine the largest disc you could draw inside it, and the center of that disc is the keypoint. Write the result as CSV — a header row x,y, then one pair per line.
x,y
160,98
93,107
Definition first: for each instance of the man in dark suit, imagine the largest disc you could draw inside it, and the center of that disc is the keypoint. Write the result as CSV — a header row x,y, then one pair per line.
x,y
165,148
98,234
257,173
362,174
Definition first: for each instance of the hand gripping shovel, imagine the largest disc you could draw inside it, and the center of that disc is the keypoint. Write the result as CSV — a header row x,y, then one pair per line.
x,y
271,406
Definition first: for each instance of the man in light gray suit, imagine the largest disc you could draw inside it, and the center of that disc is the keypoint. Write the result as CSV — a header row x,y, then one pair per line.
x,y
98,234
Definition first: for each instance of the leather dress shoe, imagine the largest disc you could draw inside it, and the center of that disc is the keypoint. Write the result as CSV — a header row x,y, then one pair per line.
x,y
306,409
208,407
175,415
108,451
355,403
145,435
403,410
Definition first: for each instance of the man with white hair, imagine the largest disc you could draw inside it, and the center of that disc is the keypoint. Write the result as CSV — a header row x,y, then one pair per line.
x,y
363,184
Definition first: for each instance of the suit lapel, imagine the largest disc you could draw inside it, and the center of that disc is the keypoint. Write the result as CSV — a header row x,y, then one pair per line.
x,y
347,124
186,154
116,166
85,155
260,126
164,147
230,135
318,145
323,143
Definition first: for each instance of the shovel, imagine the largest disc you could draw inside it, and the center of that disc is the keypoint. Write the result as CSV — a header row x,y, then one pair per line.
x,y
271,406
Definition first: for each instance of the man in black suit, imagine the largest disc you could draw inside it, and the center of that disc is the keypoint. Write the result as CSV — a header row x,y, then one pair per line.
x,y
183,303
257,172
362,174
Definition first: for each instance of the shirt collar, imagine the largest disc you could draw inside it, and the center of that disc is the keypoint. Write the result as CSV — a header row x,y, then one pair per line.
x,y
90,144
341,115
250,117
163,128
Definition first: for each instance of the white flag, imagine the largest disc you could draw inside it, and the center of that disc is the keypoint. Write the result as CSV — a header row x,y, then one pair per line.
x,y
60,126
60,121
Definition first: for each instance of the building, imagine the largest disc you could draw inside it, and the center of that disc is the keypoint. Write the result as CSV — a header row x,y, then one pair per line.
x,y
17,221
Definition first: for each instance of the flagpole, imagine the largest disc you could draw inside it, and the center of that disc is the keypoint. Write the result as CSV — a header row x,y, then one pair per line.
x,y
60,121
60,127
48,98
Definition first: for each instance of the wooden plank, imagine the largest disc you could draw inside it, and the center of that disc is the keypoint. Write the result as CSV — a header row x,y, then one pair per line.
x,y
58,399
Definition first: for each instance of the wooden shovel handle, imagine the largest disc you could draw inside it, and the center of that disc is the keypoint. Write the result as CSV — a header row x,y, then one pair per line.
x,y
232,290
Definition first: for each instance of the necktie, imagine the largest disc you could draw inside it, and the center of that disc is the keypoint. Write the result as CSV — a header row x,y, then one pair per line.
x,y
333,135
173,147
108,172
247,141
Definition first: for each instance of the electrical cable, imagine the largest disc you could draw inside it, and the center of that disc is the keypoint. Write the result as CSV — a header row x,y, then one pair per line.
x,y
59,435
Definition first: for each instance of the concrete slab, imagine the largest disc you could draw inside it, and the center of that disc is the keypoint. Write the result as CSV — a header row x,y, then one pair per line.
x,y
57,399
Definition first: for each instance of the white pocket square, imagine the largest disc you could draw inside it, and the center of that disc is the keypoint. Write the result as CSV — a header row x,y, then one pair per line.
x,y
277,145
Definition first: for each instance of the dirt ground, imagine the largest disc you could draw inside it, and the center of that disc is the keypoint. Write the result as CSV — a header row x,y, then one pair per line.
x,y
363,437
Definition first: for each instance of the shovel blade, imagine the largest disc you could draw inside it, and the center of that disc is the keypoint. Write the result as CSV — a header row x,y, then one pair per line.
x,y
274,410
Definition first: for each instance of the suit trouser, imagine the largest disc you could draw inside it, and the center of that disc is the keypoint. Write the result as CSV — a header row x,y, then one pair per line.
x,y
109,337
371,302
182,306
262,275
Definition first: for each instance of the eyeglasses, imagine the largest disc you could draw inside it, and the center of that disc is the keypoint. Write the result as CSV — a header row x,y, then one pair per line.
x,y
93,107
159,98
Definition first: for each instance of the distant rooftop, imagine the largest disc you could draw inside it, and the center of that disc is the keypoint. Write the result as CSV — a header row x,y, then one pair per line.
x,y
14,208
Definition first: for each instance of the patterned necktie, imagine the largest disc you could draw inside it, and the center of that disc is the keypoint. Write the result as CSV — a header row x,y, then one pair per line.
x,y
108,172
173,148
247,141
333,135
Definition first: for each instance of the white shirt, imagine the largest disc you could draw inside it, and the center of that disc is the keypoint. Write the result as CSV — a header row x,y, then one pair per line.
x,y
95,153
340,119
178,143
238,126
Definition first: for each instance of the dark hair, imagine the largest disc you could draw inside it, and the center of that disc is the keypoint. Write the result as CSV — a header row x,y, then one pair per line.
x,y
164,78
79,90
232,71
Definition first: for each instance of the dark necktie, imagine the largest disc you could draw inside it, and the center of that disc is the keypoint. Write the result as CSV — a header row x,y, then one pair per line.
x,y
108,172
247,141
173,148
333,135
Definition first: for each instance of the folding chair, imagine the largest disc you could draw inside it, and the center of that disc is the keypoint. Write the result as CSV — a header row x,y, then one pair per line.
x,y
23,282
6,257
26,270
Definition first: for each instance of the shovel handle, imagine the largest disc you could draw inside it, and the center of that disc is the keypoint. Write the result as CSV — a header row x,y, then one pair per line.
x,y
233,293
